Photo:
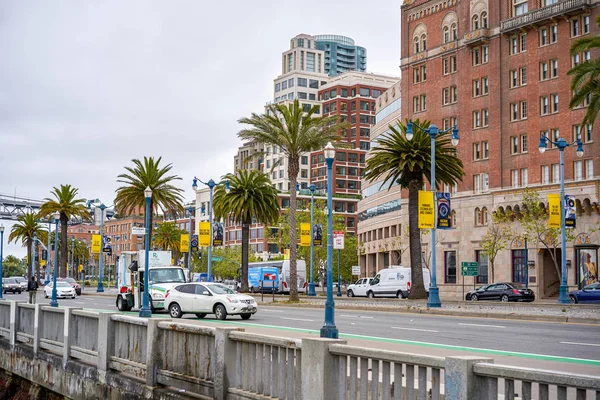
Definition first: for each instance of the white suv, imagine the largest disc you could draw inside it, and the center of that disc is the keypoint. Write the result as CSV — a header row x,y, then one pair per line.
x,y
359,288
203,298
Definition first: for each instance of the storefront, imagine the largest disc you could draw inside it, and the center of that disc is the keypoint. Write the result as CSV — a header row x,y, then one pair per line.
x,y
586,255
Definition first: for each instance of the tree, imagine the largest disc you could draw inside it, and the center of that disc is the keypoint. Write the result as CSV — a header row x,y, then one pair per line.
x,y
585,83
12,266
408,162
251,198
131,198
26,227
495,240
295,131
69,206
167,236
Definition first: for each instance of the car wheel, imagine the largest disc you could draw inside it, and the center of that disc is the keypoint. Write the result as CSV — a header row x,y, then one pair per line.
x,y
246,316
45,295
121,304
175,310
504,298
220,312
399,295
200,315
573,299
474,297
350,293
370,295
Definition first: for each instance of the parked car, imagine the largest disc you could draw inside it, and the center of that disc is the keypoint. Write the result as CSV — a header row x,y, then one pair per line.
x,y
21,281
359,288
11,285
74,285
63,289
202,298
394,281
589,294
502,291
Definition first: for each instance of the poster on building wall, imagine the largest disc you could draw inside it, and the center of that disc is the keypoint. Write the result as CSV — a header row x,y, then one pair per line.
x,y
443,211
305,234
184,242
426,217
96,244
217,234
204,234
570,212
553,211
318,235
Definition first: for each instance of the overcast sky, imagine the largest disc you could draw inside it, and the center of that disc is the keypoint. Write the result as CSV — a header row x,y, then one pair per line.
x,y
86,86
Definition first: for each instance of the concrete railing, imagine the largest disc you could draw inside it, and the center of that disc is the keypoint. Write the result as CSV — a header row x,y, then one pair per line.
x,y
228,363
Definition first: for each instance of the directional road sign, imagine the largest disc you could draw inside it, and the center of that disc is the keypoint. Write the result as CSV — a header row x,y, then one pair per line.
x,y
217,259
469,268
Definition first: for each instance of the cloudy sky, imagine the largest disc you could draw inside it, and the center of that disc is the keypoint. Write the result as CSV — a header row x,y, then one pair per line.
x,y
86,86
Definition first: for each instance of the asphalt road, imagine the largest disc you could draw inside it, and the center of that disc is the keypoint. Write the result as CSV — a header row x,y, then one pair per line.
x,y
547,345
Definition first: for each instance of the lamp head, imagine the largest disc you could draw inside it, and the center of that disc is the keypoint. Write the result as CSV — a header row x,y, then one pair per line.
x,y
1,228
312,187
148,192
56,216
409,130
543,145
195,184
579,148
329,151
455,137
227,187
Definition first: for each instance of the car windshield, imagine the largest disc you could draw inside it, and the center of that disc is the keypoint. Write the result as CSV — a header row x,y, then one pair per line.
x,y
62,284
593,286
482,287
20,279
9,280
70,280
517,285
220,289
166,275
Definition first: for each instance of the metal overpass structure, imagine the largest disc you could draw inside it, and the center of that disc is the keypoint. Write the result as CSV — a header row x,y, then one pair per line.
x,y
12,206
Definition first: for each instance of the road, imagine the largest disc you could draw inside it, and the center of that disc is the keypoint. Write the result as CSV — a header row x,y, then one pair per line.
x,y
559,346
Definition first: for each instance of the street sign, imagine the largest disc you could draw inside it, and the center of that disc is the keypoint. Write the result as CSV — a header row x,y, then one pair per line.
x,y
338,240
469,268
356,270
136,230
217,259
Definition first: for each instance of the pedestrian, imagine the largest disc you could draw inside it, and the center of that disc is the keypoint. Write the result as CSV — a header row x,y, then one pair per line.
x,y
32,287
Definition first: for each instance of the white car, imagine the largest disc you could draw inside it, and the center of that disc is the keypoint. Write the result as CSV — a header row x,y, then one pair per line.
x,y
63,289
21,281
203,298
359,288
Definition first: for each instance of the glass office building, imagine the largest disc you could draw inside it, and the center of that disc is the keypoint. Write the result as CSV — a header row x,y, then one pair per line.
x,y
341,54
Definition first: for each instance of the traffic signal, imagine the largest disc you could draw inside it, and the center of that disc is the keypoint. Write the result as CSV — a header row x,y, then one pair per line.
x,y
44,255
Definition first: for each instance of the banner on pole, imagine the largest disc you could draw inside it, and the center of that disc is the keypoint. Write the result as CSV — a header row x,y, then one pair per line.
x,y
304,234
286,254
554,211
443,211
426,217
570,212
96,244
318,235
184,242
204,234
338,240
217,234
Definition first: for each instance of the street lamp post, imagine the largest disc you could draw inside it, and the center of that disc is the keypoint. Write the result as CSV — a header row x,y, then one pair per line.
x,y
33,245
48,252
329,330
100,289
1,256
311,284
54,302
72,255
562,144
434,295
190,210
145,311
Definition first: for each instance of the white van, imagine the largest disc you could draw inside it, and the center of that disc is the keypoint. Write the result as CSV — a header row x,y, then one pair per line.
x,y
394,281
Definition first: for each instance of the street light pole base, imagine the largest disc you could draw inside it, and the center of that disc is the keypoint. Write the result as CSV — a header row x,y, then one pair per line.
x,y
145,313
311,290
563,298
329,332
100,288
339,292
433,301
53,303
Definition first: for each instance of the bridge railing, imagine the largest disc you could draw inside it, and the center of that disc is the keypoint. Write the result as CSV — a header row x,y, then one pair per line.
x,y
5,319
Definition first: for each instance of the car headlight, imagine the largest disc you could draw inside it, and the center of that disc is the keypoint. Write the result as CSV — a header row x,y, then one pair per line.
x,y
157,296
232,300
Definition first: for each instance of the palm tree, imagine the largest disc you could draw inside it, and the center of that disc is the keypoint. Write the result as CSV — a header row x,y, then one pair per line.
x,y
26,227
295,132
586,78
69,206
167,236
251,197
397,159
148,173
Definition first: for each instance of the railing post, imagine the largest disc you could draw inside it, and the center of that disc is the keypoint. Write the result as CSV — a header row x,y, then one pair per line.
x,y
460,381
153,349
106,343
225,362
38,325
14,322
320,381
68,333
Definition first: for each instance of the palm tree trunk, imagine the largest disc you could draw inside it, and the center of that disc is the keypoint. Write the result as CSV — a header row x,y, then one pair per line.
x,y
293,168
417,289
29,254
245,240
63,245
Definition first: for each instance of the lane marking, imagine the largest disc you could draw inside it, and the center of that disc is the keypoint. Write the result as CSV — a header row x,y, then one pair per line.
x,y
299,319
355,316
270,310
582,344
486,326
414,329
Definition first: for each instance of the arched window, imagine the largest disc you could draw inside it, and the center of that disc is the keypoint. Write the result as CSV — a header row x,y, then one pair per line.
x,y
484,216
475,22
477,216
454,29
484,20
453,219
446,34
416,46
424,42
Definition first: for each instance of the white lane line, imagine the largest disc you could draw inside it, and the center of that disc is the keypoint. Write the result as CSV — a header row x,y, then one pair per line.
x,y
414,329
355,316
582,344
269,310
299,319
486,326
79,302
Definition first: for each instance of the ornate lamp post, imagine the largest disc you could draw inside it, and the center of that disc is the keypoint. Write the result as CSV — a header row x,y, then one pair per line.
x,y
145,311
54,302
311,284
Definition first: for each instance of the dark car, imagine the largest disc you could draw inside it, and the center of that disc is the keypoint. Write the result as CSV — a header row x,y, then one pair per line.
x,y
502,291
11,285
589,294
74,285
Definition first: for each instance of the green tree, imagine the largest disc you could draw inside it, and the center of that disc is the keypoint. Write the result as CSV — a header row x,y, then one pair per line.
x,y
295,130
167,236
66,203
494,240
149,173
251,197
585,83
26,227
408,162
12,266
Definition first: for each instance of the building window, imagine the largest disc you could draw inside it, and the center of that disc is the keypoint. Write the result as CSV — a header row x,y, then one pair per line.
x,y
589,169
544,71
587,133
545,174
420,74
450,266
554,103
446,34
524,144
514,145
419,103
519,7
575,27
416,45
484,20
514,178
476,119
475,22
449,95
544,36
554,68
481,183
302,82
454,29
544,108
476,151
585,22
553,33
578,168
519,268
514,112
486,150
555,173
480,55
523,106
482,261
524,177
476,88
518,44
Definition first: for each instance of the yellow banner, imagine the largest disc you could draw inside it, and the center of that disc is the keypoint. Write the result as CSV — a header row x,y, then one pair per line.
x,y
80,268
42,263
96,244
426,218
204,234
184,243
554,210
304,234
286,254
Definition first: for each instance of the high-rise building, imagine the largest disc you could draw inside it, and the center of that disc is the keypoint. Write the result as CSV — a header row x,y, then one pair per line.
x,y
341,54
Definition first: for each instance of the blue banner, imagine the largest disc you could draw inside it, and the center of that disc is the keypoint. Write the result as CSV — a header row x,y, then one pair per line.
x,y
570,212
443,211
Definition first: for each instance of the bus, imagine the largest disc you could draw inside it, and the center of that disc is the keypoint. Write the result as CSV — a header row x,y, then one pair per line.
x,y
283,266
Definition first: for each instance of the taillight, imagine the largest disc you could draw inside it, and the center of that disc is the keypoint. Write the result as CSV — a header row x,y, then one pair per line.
x,y
515,291
408,285
304,286
285,285
167,294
